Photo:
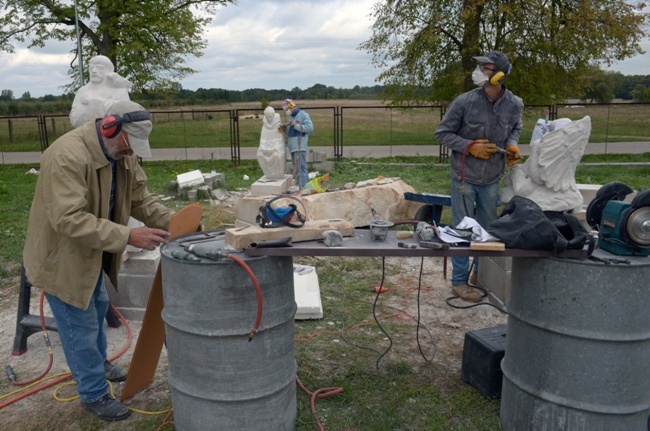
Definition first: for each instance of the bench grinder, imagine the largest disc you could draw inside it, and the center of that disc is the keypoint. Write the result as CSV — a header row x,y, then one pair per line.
x,y
623,227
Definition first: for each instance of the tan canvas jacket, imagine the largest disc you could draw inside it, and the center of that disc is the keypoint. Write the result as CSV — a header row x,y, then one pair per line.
x,y
68,222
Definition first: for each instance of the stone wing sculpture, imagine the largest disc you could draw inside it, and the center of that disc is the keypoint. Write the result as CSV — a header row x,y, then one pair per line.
x,y
548,175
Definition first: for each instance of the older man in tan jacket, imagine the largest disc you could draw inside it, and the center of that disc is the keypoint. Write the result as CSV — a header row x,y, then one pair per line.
x,y
89,184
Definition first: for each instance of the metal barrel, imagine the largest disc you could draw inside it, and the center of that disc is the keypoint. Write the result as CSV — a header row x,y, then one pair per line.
x,y
219,380
577,349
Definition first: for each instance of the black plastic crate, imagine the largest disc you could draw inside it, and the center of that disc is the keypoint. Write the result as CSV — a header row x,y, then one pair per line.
x,y
483,351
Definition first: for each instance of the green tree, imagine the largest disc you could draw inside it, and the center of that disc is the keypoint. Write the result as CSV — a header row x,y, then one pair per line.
x,y
599,86
6,95
147,41
637,93
425,48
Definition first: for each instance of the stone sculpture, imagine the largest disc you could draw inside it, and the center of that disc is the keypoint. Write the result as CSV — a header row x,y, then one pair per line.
x,y
548,175
104,89
271,154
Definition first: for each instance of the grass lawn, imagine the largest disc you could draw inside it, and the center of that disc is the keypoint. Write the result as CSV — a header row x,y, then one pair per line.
x,y
406,392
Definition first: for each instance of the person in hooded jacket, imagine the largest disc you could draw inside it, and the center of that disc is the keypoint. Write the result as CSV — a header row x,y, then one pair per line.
x,y
297,129
89,184
482,128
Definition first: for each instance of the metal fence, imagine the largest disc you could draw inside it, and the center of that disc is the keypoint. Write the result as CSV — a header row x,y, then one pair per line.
x,y
340,132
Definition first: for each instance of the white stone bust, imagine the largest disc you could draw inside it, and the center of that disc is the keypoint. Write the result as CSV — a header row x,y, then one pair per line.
x,y
271,154
548,175
104,89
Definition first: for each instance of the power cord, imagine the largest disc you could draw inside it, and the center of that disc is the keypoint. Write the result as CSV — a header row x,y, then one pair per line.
x,y
417,327
374,312
484,294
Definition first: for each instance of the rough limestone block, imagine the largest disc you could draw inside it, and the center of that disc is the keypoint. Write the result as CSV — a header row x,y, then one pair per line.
x,y
307,292
132,298
219,193
143,262
190,179
353,205
264,187
212,177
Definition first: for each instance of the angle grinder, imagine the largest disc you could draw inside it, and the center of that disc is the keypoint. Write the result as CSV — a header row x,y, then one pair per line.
x,y
623,227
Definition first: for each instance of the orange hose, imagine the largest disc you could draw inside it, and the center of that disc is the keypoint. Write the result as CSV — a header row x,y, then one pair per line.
x,y
318,393
258,291
67,376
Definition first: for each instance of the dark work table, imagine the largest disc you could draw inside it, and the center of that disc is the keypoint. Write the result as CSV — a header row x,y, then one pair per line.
x,y
361,245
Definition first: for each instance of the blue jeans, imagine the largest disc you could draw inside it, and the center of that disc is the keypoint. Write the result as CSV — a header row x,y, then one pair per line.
x,y
83,338
302,176
479,203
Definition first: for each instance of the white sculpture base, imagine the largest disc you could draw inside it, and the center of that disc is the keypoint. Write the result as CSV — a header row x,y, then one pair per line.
x,y
307,292
264,187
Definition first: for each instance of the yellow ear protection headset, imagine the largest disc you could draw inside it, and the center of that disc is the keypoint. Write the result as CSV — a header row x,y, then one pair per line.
x,y
111,126
500,76
497,78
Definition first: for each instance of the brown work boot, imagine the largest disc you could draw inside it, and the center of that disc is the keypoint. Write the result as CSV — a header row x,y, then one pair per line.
x,y
467,293
473,279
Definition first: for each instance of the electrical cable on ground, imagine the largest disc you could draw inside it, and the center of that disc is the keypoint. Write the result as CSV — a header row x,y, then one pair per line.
x,y
112,392
374,312
400,313
318,393
34,387
484,294
8,289
417,327
344,329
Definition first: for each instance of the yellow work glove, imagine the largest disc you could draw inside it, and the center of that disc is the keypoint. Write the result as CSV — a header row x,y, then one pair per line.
x,y
482,149
512,155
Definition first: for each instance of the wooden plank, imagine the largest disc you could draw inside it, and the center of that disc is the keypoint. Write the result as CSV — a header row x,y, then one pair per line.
x,y
491,246
312,230
152,334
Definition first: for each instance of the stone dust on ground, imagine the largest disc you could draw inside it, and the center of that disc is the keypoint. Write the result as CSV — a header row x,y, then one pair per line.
x,y
447,326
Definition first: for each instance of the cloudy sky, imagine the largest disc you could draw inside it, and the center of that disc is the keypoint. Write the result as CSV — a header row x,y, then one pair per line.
x,y
271,44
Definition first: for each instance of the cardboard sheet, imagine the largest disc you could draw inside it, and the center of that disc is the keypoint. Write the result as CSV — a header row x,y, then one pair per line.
x,y
152,334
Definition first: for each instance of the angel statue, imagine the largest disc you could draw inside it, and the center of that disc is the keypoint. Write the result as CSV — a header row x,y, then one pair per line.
x,y
548,175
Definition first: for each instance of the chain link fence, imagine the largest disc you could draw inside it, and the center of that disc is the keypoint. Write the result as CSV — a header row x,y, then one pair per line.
x,y
340,132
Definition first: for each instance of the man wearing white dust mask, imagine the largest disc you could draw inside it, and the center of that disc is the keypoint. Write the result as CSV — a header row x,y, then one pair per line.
x,y
482,128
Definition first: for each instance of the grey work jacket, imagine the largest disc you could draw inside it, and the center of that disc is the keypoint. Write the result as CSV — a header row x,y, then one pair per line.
x,y
473,116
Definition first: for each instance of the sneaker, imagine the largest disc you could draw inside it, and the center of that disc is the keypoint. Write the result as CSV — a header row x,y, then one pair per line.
x,y
107,409
114,373
473,279
467,293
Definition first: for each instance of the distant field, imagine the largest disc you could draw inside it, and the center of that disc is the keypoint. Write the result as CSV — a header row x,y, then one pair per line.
x,y
348,122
